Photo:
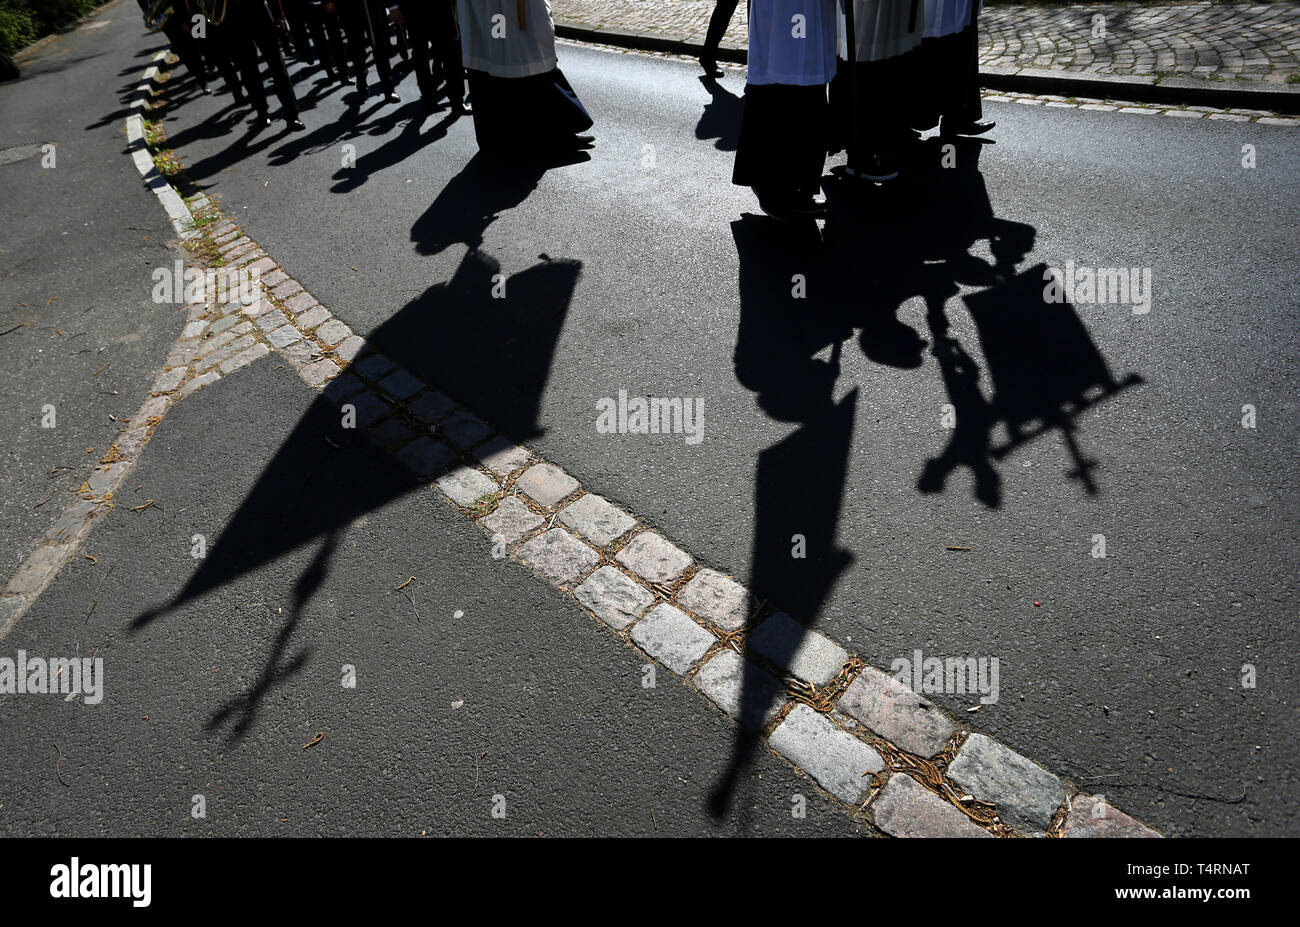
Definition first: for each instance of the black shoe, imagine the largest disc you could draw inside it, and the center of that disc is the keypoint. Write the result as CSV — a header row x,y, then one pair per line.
x,y
392,97
788,206
295,124
463,108
874,168
710,66
263,121
970,127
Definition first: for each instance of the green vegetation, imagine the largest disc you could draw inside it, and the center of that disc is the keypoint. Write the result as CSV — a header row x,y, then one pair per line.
x,y
24,21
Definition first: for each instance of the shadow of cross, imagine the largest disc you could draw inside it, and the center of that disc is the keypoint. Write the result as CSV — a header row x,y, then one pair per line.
x,y
803,293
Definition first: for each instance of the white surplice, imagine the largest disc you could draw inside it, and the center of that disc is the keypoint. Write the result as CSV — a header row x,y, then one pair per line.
x,y
881,28
493,40
791,42
944,17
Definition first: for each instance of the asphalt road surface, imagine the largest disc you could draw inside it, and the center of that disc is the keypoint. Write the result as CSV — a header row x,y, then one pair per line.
x,y
1123,672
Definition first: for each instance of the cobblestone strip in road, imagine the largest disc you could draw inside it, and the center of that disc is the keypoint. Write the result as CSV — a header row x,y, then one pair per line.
x,y
215,342
1217,41
890,758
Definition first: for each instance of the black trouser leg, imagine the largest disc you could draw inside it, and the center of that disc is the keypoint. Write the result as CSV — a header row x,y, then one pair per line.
x,y
446,47
718,23
244,53
378,22
422,62
268,44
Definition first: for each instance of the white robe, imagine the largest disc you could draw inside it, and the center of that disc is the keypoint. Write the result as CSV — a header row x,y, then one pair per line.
x,y
945,17
511,51
880,29
786,50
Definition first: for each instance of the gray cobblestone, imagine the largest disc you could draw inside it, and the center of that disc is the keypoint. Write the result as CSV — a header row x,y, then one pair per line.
x,y
615,599
207,379
835,758
654,558
243,358
465,485
374,367
803,653
309,318
501,456
465,430
670,636
350,347
284,336
431,406
426,456
546,484
401,385
558,556
716,598
1026,795
597,519
168,380
905,808
511,520
332,332
320,372
1092,816
741,689
896,713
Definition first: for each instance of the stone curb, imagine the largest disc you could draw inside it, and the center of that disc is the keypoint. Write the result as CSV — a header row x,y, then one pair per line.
x,y
1175,91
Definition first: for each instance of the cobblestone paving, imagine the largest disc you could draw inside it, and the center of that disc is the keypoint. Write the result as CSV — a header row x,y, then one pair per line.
x,y
1216,41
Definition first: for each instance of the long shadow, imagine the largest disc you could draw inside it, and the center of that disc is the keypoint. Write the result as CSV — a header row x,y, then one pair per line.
x,y
393,152
881,248
472,200
721,117
799,481
438,338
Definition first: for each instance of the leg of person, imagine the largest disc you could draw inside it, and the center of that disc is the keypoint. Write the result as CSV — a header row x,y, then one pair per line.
x,y
332,24
178,35
265,36
377,27
490,123
314,22
964,113
216,51
420,42
446,44
295,12
782,148
244,53
718,23
353,17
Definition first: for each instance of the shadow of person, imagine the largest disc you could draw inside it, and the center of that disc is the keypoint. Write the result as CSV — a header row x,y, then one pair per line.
x,y
799,481
397,149
472,200
721,117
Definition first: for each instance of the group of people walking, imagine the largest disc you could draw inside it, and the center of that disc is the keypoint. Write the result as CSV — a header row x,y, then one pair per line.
x,y
862,76
500,53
